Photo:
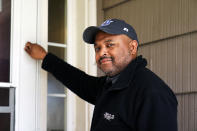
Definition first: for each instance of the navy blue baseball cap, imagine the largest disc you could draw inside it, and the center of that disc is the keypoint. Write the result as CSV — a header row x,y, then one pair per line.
x,y
111,26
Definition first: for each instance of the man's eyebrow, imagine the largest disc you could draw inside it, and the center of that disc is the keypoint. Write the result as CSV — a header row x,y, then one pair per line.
x,y
109,40
106,41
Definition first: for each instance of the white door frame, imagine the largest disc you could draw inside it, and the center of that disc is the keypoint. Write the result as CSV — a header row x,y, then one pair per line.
x,y
30,23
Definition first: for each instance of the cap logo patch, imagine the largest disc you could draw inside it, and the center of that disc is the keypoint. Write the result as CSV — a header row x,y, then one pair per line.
x,y
107,22
125,29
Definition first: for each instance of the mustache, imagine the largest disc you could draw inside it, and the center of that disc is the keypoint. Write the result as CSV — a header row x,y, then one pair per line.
x,y
104,57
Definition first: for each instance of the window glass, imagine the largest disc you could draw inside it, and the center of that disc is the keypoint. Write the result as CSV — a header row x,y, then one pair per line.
x,y
55,114
58,51
0,5
5,21
5,121
57,21
4,96
54,86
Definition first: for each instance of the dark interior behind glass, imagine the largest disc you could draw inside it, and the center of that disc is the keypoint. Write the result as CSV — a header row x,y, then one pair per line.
x,y
5,23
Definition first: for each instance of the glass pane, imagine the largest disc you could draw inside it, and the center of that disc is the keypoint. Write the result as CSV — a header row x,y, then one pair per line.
x,y
57,21
54,86
56,114
5,121
58,51
0,5
4,97
5,20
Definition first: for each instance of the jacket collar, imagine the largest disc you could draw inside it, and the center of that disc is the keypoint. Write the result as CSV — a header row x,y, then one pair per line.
x,y
126,76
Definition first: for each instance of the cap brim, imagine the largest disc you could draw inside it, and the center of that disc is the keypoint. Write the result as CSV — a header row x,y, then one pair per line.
x,y
90,33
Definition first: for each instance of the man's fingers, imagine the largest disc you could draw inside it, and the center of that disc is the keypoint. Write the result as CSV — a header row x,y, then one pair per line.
x,y
28,51
35,51
28,47
28,44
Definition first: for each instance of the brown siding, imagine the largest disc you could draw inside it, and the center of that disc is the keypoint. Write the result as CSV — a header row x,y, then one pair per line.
x,y
174,61
167,30
157,19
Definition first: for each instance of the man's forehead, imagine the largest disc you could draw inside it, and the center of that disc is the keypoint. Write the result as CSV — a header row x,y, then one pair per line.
x,y
104,36
105,41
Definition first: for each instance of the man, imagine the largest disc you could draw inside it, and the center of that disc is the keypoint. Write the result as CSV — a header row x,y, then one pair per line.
x,y
130,97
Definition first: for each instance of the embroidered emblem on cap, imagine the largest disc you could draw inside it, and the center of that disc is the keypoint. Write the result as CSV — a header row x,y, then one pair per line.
x,y
126,29
108,116
107,22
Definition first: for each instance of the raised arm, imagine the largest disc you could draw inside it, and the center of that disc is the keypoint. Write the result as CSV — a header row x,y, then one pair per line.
x,y
85,86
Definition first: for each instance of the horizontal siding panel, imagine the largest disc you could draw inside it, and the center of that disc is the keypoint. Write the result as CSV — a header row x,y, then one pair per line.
x,y
195,115
193,62
191,111
186,63
179,64
171,64
157,19
174,60
192,14
187,112
112,3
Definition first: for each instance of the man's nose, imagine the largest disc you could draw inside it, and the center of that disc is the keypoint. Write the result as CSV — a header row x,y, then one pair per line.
x,y
103,51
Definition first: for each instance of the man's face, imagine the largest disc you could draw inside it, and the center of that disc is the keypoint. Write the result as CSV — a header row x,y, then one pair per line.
x,y
113,52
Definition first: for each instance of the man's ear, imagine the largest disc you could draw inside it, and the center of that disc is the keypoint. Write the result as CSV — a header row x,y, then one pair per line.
x,y
133,47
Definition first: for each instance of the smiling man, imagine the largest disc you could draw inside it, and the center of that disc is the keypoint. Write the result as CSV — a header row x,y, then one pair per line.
x,y
130,97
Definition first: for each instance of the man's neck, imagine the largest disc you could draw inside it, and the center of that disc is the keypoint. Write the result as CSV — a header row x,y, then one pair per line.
x,y
113,79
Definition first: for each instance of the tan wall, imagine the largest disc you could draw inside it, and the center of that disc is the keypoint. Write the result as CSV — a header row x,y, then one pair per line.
x,y
167,32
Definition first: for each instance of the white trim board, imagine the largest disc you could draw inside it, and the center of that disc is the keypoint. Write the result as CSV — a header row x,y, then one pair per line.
x,y
29,20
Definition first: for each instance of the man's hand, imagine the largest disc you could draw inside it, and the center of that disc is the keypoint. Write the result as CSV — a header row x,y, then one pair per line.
x,y
35,51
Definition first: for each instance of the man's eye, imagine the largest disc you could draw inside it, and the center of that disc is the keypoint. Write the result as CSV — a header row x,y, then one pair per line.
x,y
110,45
97,49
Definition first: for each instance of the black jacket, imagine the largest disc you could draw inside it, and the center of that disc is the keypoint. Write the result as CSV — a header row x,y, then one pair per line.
x,y
138,101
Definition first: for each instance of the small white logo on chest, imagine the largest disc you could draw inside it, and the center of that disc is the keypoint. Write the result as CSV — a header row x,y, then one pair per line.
x,y
108,116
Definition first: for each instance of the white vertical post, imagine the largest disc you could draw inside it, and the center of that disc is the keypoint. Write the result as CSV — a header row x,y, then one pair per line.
x,y
41,91
90,67
71,58
26,90
25,71
90,20
29,23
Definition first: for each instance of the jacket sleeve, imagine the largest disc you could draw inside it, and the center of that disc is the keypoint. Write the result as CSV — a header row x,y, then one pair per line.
x,y
157,110
85,86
